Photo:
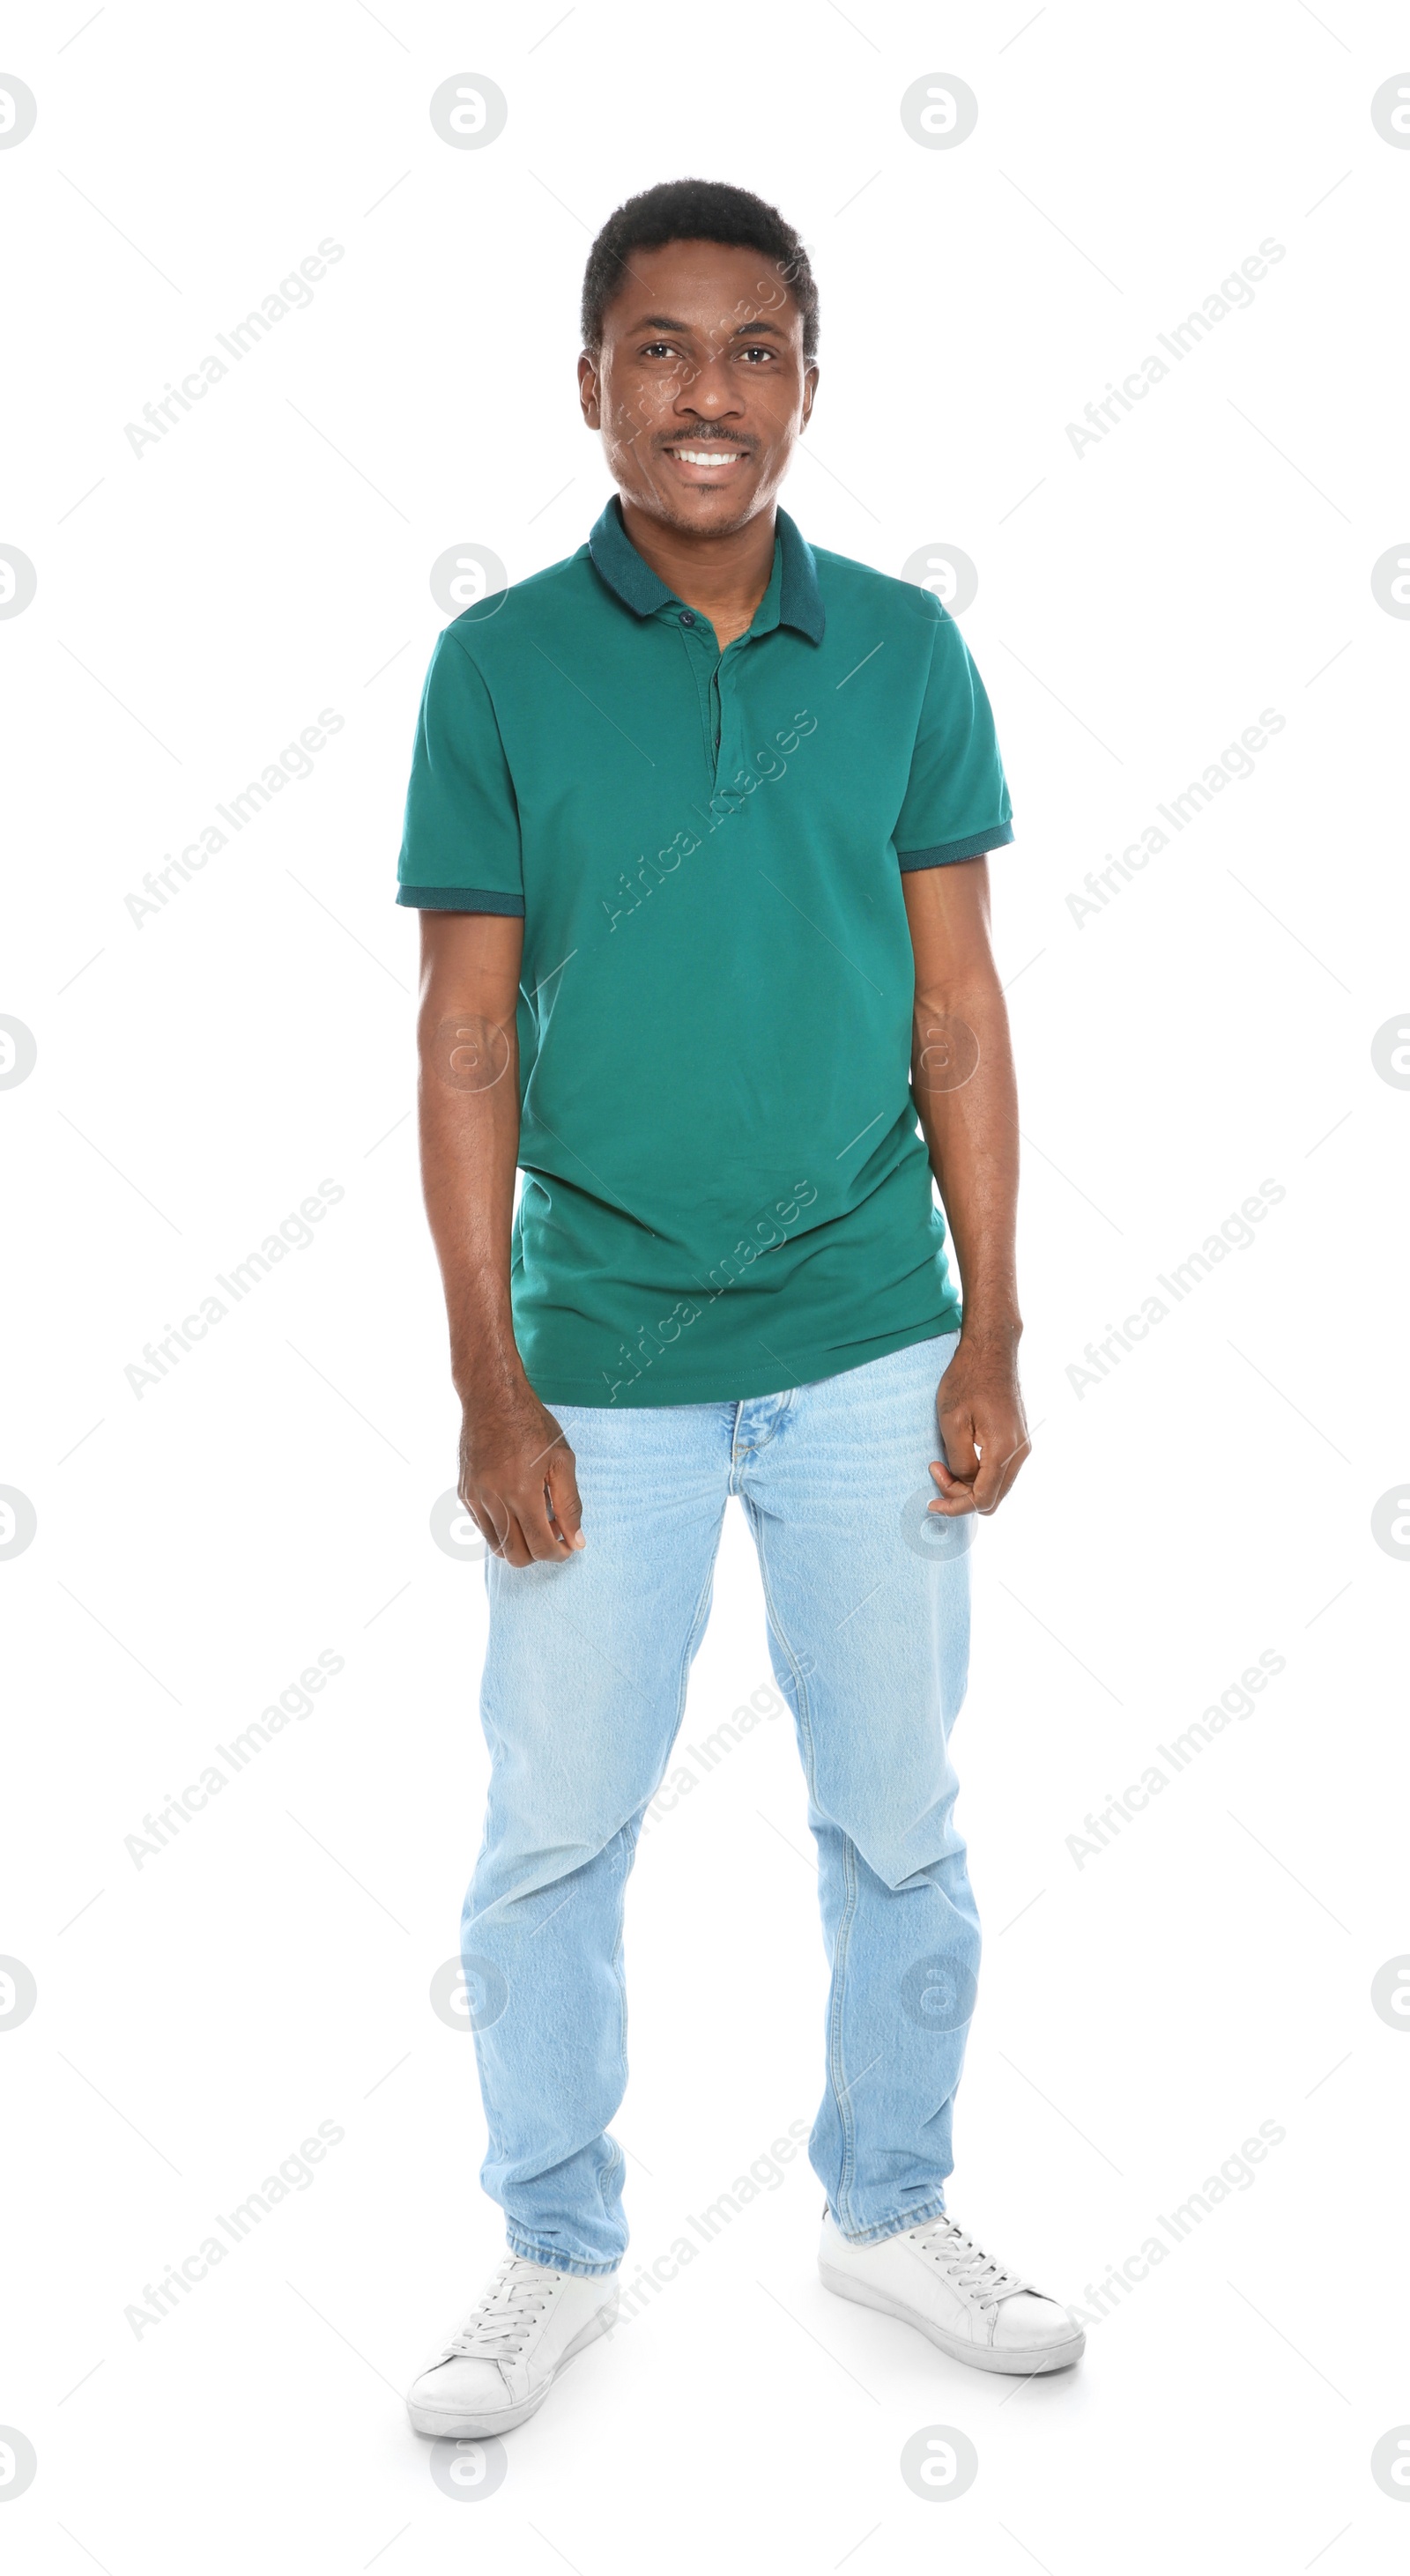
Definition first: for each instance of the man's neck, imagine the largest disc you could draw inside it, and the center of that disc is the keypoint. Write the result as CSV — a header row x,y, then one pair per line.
x,y
724,577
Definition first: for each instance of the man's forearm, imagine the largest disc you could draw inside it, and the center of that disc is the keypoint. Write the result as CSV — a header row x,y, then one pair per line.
x,y
963,1086
516,1468
469,1151
967,1102
469,1119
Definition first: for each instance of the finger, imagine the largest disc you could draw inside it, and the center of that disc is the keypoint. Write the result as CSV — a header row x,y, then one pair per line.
x,y
1014,1463
957,1440
997,1472
484,1525
490,1519
500,1528
988,1484
539,1532
516,1550
955,1496
563,1489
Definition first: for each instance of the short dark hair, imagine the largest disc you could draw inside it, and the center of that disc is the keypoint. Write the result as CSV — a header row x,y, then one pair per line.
x,y
695,210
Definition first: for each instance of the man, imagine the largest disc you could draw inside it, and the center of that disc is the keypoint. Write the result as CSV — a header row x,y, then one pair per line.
x,y
696,827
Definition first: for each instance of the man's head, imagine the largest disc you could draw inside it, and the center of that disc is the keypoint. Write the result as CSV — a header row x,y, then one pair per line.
x,y
700,329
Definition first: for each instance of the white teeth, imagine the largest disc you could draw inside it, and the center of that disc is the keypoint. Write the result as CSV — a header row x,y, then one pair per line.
x,y
706,456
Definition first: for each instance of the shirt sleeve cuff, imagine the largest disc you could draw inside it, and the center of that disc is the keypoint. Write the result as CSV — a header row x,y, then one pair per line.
x,y
460,899
944,852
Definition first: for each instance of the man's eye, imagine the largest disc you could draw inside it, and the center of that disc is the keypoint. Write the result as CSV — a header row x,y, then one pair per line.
x,y
659,349
757,353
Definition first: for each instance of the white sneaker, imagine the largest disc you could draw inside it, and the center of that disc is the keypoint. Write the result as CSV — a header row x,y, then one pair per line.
x,y
940,2281
498,2370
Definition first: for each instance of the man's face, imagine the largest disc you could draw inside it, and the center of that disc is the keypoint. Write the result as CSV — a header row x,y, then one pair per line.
x,y
700,388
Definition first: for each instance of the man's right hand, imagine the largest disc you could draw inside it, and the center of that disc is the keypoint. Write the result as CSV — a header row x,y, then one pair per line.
x,y
517,1478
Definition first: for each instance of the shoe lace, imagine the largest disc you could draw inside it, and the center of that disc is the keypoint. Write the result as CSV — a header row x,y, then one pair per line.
x,y
497,2326
966,2264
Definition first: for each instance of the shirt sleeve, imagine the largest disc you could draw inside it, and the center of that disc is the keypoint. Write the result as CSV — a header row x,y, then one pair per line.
x,y
957,802
460,848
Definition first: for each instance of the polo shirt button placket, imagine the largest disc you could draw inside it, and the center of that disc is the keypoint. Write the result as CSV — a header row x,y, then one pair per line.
x,y
728,731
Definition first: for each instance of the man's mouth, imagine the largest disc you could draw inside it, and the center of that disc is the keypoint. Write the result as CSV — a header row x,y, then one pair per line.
x,y
708,459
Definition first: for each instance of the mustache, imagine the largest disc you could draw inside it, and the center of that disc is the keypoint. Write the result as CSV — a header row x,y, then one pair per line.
x,y
701,438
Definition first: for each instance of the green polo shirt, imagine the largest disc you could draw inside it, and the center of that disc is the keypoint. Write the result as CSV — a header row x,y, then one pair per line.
x,y
725,1191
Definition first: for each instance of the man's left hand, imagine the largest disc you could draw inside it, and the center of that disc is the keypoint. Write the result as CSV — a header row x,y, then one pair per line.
x,y
983,1429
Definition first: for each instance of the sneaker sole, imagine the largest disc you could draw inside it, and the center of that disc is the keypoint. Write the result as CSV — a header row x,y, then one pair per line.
x,y
445,2425
1016,2365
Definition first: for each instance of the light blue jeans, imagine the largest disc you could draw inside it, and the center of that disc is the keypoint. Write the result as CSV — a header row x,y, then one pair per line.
x,y
584,1689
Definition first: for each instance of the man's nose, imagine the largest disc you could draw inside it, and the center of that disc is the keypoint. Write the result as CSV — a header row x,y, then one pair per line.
x,y
709,392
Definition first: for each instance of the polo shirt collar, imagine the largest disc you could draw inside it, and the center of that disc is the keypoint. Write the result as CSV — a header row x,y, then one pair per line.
x,y
800,602
630,577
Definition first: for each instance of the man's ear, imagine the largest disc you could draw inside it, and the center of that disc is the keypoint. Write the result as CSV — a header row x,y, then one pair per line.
x,y
810,386
588,391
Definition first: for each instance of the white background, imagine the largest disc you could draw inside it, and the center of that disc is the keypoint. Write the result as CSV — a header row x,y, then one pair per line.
x,y
197,1076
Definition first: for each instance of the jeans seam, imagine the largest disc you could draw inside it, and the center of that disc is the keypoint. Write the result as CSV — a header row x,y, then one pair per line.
x,y
841,2093
693,1633
805,1721
841,2089
618,2161
691,1642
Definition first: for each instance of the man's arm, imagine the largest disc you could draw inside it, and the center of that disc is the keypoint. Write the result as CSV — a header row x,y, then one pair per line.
x,y
963,1081
511,1448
